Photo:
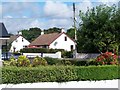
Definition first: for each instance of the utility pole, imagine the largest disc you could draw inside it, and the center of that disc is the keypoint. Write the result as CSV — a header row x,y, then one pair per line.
x,y
74,21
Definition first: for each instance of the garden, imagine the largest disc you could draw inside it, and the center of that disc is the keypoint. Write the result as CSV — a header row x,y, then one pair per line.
x,y
22,70
98,32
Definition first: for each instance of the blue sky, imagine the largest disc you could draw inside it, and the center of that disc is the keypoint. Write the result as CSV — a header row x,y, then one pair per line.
x,y
24,14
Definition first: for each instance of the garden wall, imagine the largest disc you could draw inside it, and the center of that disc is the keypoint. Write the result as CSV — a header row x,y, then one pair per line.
x,y
52,55
86,55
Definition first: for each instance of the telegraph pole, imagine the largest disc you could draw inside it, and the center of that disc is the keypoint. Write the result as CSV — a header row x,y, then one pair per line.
x,y
74,21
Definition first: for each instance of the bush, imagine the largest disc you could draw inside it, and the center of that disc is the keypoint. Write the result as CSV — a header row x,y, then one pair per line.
x,y
39,50
52,61
11,62
107,58
66,62
39,61
23,61
58,73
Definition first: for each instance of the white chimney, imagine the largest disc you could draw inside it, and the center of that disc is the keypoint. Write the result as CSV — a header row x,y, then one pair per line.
x,y
62,30
42,32
19,33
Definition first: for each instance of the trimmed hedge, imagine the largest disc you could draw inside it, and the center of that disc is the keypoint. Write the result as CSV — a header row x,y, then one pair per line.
x,y
65,54
58,73
39,50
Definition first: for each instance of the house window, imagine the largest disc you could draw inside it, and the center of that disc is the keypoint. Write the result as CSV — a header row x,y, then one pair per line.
x,y
16,40
71,47
24,46
65,38
22,40
55,43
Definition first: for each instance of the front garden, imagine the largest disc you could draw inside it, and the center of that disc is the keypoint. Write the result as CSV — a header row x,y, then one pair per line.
x,y
22,70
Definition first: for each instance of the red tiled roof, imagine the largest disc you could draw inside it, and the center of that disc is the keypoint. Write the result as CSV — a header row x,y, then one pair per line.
x,y
45,39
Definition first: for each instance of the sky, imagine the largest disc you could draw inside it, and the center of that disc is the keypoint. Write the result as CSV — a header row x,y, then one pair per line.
x,y
25,14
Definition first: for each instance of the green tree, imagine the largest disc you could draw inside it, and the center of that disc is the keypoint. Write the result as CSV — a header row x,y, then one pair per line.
x,y
100,29
52,30
31,34
71,33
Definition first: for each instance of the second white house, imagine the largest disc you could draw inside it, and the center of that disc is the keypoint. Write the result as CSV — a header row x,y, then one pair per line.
x,y
54,41
18,42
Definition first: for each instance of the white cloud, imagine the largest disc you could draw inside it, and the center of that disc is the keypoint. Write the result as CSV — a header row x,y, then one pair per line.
x,y
20,9
108,2
56,14
8,16
84,5
14,25
57,10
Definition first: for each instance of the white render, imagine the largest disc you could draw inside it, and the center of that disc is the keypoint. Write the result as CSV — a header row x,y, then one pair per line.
x,y
52,55
18,44
62,44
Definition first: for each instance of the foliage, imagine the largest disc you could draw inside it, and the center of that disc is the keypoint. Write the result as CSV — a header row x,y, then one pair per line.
x,y
39,50
107,58
67,54
58,74
99,30
39,61
52,61
66,62
31,34
11,62
71,33
23,61
52,30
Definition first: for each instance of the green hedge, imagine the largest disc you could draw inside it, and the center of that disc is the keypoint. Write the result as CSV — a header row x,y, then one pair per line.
x,y
39,50
58,73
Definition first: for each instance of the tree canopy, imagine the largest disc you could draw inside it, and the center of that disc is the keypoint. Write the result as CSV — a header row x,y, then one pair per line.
x,y
100,29
31,33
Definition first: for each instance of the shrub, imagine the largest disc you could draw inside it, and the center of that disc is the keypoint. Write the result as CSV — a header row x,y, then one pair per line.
x,y
107,58
67,54
6,63
58,73
52,61
39,61
39,50
23,61
66,62
13,61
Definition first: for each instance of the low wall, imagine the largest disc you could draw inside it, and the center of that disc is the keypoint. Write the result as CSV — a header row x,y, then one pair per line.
x,y
52,55
86,55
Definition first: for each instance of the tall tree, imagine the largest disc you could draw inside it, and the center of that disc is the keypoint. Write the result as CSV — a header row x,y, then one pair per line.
x,y
31,34
71,33
100,29
52,30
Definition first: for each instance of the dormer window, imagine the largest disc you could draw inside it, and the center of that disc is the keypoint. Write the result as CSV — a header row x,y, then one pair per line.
x,y
65,38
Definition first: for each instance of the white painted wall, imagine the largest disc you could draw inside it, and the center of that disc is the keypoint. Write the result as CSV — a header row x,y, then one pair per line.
x,y
52,55
62,44
19,44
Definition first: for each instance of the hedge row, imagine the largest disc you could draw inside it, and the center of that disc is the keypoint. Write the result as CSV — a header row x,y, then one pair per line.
x,y
39,50
65,54
75,62
58,74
